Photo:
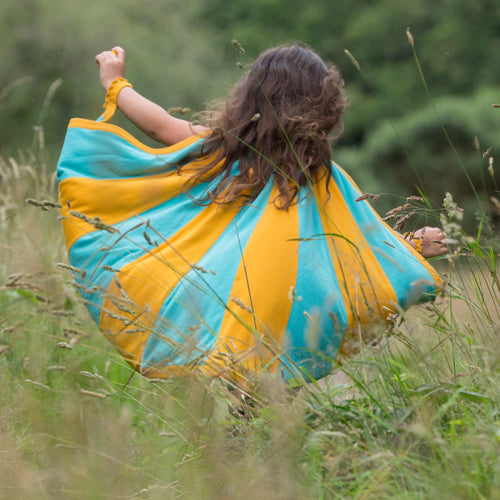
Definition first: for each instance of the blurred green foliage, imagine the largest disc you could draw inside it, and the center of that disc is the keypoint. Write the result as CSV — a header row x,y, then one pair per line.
x,y
438,148
180,54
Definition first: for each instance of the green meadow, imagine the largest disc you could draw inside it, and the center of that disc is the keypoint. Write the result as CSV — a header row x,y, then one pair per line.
x,y
414,415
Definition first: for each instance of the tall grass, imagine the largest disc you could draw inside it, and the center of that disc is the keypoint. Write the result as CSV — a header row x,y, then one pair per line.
x,y
415,415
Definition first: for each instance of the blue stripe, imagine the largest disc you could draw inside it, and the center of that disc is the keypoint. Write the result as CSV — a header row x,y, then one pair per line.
x,y
192,314
318,293
99,154
93,250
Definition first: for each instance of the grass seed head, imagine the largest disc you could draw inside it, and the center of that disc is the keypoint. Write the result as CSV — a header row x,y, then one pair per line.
x,y
199,268
99,395
110,269
38,384
368,196
241,304
353,60
179,111
415,198
292,295
65,345
496,204
237,46
147,238
411,41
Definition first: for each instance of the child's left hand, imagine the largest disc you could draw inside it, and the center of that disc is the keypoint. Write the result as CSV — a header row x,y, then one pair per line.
x,y
111,66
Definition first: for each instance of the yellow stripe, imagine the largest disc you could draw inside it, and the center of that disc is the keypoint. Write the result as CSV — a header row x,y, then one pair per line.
x,y
114,129
267,271
365,287
112,200
149,280
116,200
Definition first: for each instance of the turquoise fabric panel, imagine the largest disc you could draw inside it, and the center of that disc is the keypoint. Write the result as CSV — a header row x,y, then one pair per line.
x,y
113,157
191,317
312,345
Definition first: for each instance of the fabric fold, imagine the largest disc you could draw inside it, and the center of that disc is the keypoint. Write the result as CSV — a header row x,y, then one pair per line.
x,y
177,285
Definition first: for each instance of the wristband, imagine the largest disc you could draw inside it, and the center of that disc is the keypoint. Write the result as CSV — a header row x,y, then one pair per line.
x,y
418,244
111,96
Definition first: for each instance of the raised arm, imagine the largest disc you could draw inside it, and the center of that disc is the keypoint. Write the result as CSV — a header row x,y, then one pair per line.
x,y
145,114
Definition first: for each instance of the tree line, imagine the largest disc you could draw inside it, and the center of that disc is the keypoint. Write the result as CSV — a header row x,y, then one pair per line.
x,y
411,124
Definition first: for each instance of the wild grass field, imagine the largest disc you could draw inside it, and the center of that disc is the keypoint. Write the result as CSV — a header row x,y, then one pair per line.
x,y
415,415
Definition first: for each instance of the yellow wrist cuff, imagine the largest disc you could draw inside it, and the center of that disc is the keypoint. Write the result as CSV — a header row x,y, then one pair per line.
x,y
410,237
111,97
418,245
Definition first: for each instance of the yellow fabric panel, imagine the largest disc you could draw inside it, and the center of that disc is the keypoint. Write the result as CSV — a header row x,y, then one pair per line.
x,y
269,262
129,197
149,280
364,286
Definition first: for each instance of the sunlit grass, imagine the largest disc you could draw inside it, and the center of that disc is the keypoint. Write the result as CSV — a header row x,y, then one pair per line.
x,y
413,416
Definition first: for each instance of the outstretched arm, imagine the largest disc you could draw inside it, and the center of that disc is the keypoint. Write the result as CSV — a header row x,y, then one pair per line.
x,y
145,114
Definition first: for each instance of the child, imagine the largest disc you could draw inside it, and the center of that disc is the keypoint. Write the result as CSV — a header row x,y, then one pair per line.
x,y
258,255
308,111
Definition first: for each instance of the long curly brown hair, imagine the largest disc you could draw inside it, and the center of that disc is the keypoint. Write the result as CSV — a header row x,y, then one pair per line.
x,y
279,120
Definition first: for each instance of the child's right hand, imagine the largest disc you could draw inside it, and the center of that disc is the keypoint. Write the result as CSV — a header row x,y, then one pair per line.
x,y
432,241
111,65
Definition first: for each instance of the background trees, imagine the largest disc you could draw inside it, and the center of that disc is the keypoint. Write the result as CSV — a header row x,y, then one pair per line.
x,y
180,54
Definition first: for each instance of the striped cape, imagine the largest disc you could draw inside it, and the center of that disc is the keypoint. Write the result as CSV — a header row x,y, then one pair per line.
x,y
179,286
